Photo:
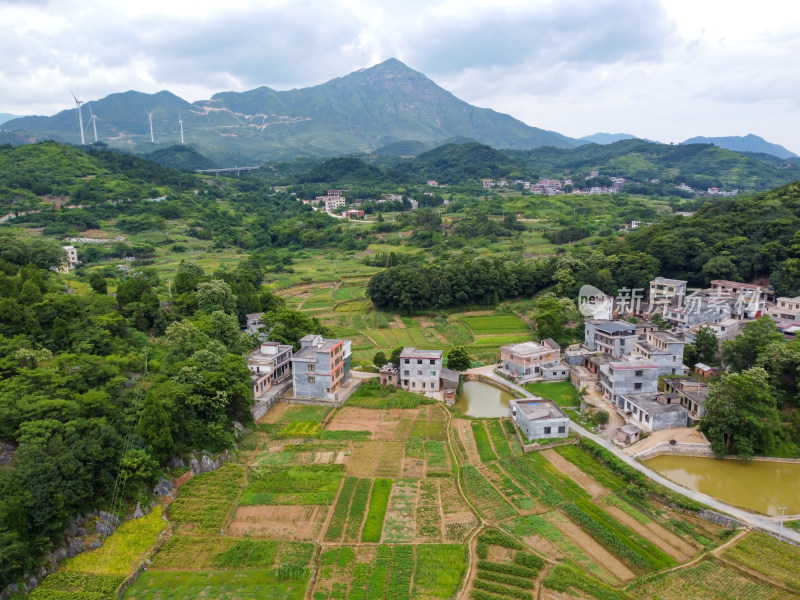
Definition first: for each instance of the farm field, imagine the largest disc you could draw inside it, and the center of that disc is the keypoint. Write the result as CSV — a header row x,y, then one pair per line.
x,y
391,497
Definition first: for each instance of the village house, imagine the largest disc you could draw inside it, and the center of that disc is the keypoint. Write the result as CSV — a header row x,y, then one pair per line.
x,y
702,307
433,183
692,394
705,371
785,308
611,337
321,368
353,214
628,375
71,260
253,321
749,300
269,364
334,202
528,361
665,291
665,350
420,369
653,410
388,375
539,418
725,330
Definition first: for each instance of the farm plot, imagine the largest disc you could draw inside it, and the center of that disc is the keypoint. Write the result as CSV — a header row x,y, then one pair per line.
x,y
188,553
383,425
495,325
539,533
231,584
484,496
504,570
378,503
400,523
463,430
572,583
103,570
358,509
205,501
439,569
510,490
499,440
429,512
437,457
482,443
281,522
372,394
707,580
370,459
296,485
366,572
457,519
764,554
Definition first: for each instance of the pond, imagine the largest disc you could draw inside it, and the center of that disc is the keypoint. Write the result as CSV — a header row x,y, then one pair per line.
x,y
479,399
760,486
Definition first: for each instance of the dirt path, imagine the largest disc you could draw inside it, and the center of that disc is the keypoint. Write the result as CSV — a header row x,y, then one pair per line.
x,y
595,551
463,429
658,535
590,484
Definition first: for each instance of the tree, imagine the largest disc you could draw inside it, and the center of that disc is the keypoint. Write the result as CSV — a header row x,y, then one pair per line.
x,y
30,294
287,326
782,361
741,414
742,352
187,278
215,295
601,417
155,428
98,283
553,315
379,359
458,359
707,346
395,356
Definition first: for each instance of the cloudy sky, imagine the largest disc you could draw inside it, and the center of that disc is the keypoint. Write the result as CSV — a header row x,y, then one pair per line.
x,y
661,69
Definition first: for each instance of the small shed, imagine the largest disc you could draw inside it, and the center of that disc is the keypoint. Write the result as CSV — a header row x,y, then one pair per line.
x,y
706,371
629,434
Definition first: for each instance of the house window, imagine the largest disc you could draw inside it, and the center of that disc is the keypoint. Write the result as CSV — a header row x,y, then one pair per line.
x,y
419,361
406,373
547,430
312,379
433,361
562,429
639,373
637,386
408,362
413,384
419,373
433,373
311,367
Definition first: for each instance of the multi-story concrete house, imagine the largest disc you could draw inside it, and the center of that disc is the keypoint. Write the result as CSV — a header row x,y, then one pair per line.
x,y
420,370
532,360
785,308
692,394
628,375
747,300
653,410
539,418
706,306
664,349
269,364
253,322
665,291
321,367
612,337
725,330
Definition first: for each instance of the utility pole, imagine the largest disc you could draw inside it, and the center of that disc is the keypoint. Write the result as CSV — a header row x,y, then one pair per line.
x,y
780,531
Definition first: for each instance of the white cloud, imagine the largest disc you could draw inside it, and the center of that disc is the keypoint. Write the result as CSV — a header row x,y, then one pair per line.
x,y
665,69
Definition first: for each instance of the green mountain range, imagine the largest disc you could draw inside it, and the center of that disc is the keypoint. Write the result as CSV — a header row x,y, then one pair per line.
x,y
747,143
372,108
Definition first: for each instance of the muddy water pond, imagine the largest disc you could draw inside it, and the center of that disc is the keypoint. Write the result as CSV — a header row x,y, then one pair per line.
x,y
479,399
760,486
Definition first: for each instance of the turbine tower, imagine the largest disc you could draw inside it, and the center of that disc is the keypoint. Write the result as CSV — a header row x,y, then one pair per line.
x,y
150,120
180,124
80,116
93,122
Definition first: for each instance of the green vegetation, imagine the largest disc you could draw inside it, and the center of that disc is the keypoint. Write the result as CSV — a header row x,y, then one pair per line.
x,y
439,570
236,584
372,394
562,393
498,439
340,510
486,499
358,507
206,499
378,503
563,577
300,485
482,443
764,554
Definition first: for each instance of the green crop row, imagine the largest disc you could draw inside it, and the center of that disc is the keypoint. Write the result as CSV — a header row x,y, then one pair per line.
x,y
500,590
376,586
415,448
486,498
356,436
301,429
206,499
357,509
561,578
372,394
340,510
507,569
482,442
437,456
510,580
378,503
399,587
499,439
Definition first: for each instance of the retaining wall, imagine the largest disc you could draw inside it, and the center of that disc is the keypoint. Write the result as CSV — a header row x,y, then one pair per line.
x,y
681,448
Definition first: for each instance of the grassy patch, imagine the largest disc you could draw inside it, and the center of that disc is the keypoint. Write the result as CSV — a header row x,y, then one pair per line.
x,y
563,578
495,324
301,413
437,456
297,485
763,553
486,499
339,517
358,507
206,499
231,584
498,439
562,393
439,570
372,394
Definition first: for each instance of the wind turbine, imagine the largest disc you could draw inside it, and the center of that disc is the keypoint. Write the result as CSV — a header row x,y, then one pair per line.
x,y
180,124
80,115
150,120
93,122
